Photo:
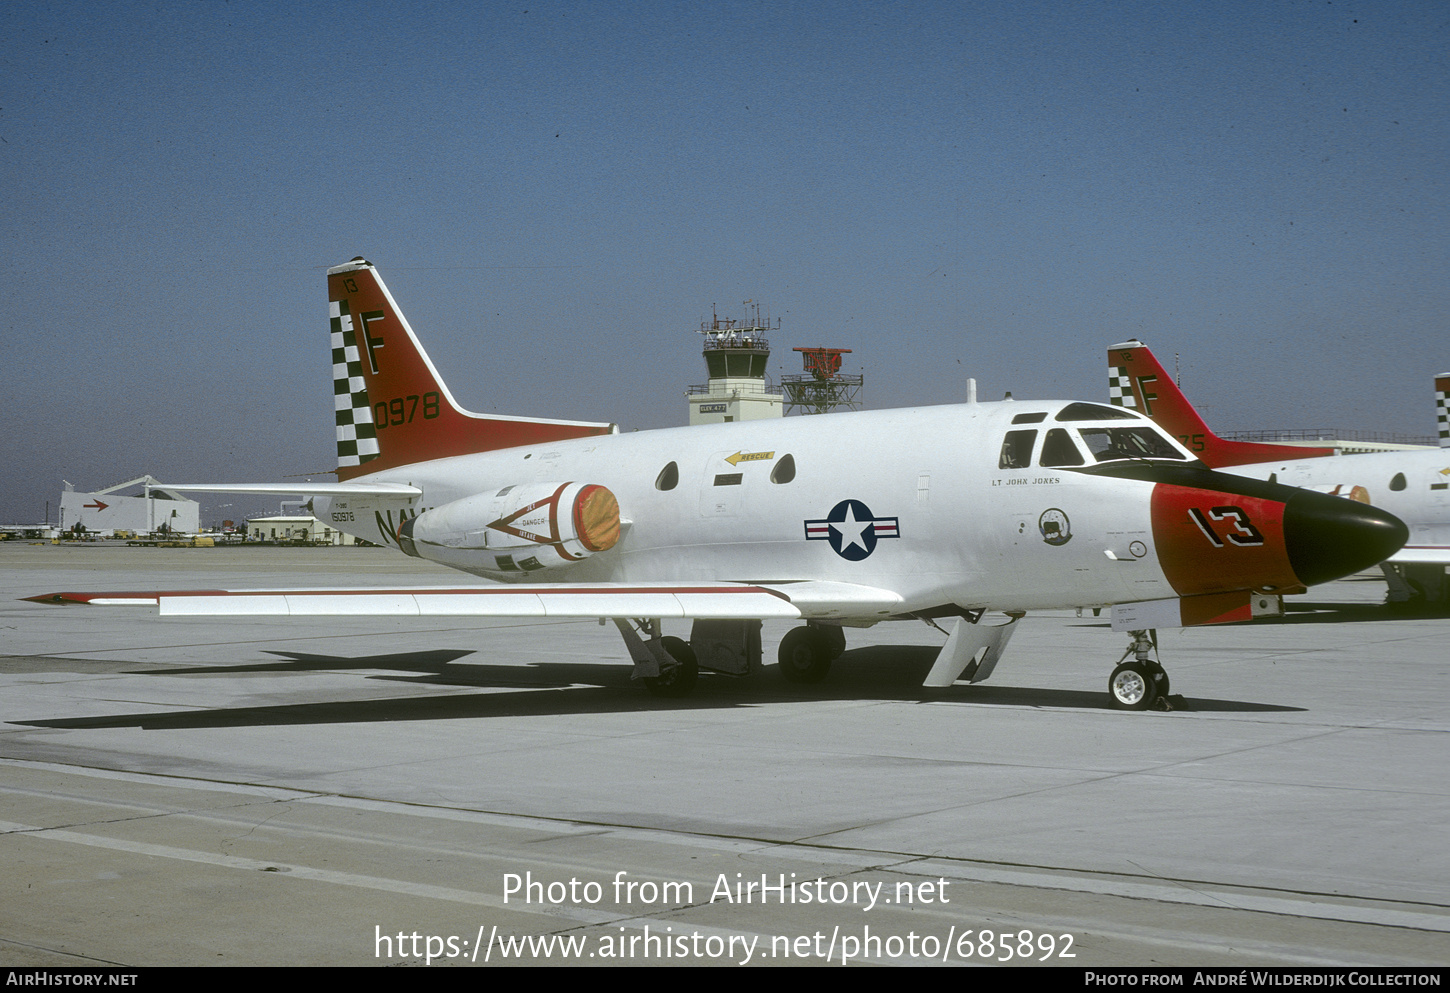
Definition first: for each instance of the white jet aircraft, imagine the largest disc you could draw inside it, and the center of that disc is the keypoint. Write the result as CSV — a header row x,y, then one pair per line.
x,y
836,520
1413,485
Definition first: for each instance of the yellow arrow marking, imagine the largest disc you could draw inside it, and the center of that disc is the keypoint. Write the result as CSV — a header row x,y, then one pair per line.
x,y
740,457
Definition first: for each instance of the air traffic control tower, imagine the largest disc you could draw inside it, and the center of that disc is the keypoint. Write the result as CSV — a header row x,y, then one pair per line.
x,y
735,356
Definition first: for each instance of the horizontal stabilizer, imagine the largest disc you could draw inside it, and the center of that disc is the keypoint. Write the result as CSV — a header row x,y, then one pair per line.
x,y
308,489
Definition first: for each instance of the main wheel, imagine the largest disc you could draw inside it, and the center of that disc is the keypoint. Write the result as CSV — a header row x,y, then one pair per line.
x,y
679,679
1132,686
835,637
805,656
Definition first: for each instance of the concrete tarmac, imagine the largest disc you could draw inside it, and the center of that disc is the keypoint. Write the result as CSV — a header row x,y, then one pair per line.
x,y
362,791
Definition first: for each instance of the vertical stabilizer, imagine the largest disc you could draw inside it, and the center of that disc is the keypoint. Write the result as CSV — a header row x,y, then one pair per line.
x,y
1137,381
392,407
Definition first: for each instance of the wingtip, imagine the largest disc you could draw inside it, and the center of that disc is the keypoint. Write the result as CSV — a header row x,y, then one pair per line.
x,y
96,599
54,598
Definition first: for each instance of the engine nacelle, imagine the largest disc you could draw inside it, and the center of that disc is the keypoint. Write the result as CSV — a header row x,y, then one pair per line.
x,y
517,529
1349,491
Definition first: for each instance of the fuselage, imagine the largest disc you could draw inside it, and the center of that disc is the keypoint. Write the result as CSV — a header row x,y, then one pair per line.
x,y
966,505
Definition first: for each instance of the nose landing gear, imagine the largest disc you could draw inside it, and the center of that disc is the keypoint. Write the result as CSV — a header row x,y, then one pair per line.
x,y
1141,682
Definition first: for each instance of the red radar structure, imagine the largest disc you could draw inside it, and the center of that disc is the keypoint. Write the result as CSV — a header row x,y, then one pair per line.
x,y
822,388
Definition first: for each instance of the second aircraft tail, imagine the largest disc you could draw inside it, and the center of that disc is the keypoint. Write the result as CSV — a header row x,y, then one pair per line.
x,y
1137,381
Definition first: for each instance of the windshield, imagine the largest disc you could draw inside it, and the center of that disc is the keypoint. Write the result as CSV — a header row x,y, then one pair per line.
x,y
1108,444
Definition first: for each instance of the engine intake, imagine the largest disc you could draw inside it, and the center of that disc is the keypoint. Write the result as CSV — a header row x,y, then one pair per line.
x,y
516,529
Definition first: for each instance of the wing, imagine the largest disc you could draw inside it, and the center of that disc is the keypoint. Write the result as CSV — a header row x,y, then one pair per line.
x,y
678,600
1421,555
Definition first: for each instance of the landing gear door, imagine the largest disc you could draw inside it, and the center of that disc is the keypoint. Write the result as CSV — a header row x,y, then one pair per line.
x,y
731,646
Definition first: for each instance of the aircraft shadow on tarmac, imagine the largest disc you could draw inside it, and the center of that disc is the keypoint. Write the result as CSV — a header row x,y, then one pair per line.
x,y
1340,613
557,688
1336,613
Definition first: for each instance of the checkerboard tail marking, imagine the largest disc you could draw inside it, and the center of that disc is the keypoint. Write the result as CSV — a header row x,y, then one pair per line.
x,y
1442,407
357,436
1120,387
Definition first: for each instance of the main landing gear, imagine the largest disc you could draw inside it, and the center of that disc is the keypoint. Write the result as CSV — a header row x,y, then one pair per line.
x,y
669,667
1140,682
666,665
679,679
806,653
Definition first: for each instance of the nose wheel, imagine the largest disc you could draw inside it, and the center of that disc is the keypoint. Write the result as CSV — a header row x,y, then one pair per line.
x,y
1136,686
1140,682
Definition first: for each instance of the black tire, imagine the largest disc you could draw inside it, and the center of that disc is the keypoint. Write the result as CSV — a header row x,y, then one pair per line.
x,y
1161,684
835,637
805,656
680,680
1132,686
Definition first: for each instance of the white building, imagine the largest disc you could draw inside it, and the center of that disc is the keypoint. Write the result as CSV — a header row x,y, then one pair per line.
x,y
302,529
106,510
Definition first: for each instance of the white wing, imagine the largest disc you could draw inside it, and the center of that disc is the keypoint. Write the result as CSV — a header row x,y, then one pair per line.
x,y
679,600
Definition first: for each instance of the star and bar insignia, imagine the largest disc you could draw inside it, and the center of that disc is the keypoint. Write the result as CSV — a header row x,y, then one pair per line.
x,y
852,530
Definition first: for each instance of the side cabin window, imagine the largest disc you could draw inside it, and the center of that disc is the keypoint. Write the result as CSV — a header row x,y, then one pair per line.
x,y
1108,444
1059,450
1017,450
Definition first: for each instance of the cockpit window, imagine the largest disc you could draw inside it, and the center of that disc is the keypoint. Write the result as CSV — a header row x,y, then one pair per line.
x,y
1094,412
1017,450
1108,444
1058,449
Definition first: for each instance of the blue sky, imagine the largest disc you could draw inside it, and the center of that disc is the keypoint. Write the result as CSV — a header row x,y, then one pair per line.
x,y
557,194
